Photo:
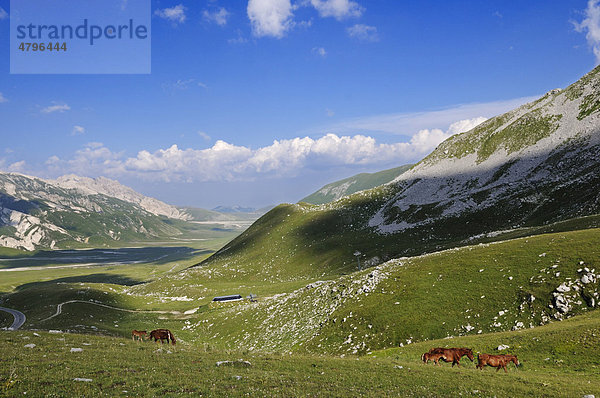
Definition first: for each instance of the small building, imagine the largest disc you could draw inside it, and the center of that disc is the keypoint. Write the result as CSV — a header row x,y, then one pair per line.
x,y
233,297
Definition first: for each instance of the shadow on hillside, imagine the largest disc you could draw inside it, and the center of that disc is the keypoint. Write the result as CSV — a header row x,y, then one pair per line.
x,y
537,194
91,278
12,203
102,257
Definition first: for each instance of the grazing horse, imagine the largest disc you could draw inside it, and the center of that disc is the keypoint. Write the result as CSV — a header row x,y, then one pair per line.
x,y
453,354
162,334
496,361
435,357
140,334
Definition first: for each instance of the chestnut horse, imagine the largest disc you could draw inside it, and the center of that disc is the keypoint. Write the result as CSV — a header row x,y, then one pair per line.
x,y
162,334
428,356
140,334
496,361
453,354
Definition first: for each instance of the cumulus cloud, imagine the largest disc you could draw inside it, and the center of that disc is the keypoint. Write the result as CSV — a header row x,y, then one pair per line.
x,y
3,98
270,17
591,27
275,18
174,14
363,32
94,159
56,108
228,162
465,125
3,14
78,130
339,9
219,16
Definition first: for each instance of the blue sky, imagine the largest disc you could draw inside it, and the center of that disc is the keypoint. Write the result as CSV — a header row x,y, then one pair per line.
x,y
263,101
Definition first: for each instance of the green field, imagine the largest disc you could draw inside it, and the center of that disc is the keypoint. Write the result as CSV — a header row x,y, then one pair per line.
x,y
361,333
557,360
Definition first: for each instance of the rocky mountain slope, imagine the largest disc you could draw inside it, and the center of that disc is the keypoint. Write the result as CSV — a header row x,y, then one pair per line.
x,y
72,211
112,188
348,186
536,165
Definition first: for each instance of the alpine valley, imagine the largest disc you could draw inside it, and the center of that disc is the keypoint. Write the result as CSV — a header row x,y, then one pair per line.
x,y
489,242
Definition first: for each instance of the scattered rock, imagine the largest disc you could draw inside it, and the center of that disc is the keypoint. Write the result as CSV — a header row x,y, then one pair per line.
x,y
82,379
29,345
398,367
502,347
239,363
518,325
563,288
76,349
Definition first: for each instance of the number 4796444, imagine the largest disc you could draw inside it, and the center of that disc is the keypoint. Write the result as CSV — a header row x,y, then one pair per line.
x,y
43,46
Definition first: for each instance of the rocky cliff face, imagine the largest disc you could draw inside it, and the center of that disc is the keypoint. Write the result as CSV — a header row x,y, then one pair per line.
x,y
112,188
38,213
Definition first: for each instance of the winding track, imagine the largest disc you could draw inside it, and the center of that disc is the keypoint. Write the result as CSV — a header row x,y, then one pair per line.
x,y
19,318
59,309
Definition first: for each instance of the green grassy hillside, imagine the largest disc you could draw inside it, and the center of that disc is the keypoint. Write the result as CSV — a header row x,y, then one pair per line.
x,y
350,185
465,291
557,360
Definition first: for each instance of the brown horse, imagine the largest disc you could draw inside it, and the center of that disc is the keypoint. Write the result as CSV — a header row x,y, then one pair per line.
x,y
496,361
453,354
435,357
138,334
162,334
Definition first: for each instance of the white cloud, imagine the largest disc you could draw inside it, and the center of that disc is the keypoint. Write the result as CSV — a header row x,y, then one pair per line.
x,y
3,98
56,108
591,26
78,130
94,159
283,158
320,51
227,162
18,167
270,17
339,9
219,16
174,14
3,14
204,135
363,32
465,125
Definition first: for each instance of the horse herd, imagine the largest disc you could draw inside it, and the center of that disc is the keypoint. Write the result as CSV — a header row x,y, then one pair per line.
x,y
156,335
455,354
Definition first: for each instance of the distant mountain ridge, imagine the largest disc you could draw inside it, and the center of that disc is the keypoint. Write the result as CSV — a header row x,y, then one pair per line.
x,y
37,213
335,190
112,188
